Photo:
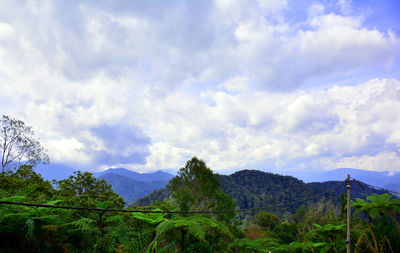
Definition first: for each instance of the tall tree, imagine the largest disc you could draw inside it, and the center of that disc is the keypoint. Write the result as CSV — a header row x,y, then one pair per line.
x,y
197,188
83,189
18,143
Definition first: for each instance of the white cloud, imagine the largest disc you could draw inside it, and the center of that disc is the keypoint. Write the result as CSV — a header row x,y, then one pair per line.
x,y
6,31
346,6
221,81
329,124
333,20
385,161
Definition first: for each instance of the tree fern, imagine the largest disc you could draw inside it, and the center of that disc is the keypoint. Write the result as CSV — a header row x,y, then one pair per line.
x,y
164,227
83,224
151,218
196,226
259,245
30,228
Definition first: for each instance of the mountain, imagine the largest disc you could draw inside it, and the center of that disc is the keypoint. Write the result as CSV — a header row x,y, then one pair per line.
x,y
376,178
358,189
52,171
131,189
370,177
252,188
142,177
393,187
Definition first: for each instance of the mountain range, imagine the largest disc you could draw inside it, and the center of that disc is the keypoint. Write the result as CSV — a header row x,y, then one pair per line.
x,y
133,185
143,177
128,184
384,179
129,188
257,189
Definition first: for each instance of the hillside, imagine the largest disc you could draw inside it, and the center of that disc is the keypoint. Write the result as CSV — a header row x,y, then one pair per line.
x,y
252,188
358,190
131,189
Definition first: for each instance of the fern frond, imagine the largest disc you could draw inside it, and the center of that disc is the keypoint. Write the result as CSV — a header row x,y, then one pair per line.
x,y
4,194
30,228
164,227
115,218
259,245
152,218
26,191
14,198
197,230
84,224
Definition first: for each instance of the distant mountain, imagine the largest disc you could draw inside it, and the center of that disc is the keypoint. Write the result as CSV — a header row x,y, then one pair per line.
x,y
358,189
131,189
143,177
376,178
393,187
370,177
252,188
54,171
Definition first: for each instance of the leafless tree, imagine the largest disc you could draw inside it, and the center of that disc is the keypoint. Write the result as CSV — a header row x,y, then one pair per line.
x,y
19,145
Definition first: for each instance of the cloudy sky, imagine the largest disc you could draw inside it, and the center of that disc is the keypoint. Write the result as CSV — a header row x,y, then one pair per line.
x,y
269,84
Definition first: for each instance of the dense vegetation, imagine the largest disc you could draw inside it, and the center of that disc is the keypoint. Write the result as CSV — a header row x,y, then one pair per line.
x,y
314,227
253,189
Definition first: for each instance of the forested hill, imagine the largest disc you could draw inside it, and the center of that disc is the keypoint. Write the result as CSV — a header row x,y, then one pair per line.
x,y
253,188
131,189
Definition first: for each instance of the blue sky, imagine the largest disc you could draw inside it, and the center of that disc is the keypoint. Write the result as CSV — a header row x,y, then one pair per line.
x,y
273,85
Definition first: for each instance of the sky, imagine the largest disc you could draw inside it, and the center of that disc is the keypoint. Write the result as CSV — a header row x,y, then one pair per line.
x,y
270,84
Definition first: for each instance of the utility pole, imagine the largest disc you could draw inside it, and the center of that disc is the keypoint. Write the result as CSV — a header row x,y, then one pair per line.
x,y
348,214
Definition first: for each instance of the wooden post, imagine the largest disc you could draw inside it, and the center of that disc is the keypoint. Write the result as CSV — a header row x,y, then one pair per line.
x,y
348,214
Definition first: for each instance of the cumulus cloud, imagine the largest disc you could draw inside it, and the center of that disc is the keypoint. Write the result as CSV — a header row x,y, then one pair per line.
x,y
322,129
237,83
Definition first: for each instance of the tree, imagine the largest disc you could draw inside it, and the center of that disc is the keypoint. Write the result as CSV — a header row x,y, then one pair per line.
x,y
197,188
83,189
383,230
180,232
18,143
267,220
25,180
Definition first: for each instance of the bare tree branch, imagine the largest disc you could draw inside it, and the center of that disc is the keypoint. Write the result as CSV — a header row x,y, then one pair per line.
x,y
18,144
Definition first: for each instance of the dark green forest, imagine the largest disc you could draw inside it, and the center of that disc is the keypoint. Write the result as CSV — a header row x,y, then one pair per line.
x,y
312,226
255,189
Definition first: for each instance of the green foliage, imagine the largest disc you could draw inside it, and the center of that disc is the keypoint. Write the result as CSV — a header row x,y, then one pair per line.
x,y
267,220
316,227
383,230
258,245
257,189
157,195
328,238
378,205
22,227
192,229
197,188
24,181
286,232
151,218
83,189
